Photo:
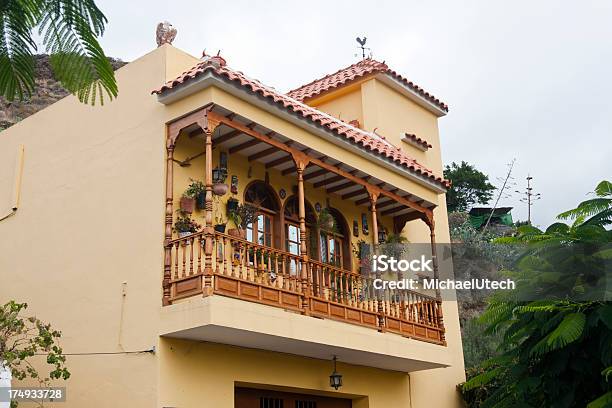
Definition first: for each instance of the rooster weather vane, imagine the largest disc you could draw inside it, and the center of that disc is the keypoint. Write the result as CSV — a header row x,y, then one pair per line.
x,y
362,42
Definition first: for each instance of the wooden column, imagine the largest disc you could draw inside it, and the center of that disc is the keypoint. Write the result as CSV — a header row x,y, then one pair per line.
x,y
373,195
168,227
301,161
208,125
208,221
434,254
373,199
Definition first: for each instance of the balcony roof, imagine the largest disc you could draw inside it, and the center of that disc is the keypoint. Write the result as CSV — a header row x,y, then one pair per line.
x,y
236,141
193,80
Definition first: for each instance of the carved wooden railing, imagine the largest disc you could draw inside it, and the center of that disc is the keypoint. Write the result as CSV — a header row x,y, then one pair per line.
x,y
245,270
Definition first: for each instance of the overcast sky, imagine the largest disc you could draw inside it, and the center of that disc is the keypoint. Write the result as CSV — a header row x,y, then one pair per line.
x,y
529,80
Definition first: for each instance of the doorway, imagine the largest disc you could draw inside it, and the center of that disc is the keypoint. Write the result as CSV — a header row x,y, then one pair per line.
x,y
256,398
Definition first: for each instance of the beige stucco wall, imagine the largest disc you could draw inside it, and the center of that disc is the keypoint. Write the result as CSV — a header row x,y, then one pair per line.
x,y
185,383
344,105
385,111
90,225
85,247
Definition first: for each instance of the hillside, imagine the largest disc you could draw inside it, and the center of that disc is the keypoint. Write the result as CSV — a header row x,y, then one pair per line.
x,y
47,91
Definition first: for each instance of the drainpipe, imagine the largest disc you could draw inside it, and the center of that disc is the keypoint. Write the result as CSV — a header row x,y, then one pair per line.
x,y
17,186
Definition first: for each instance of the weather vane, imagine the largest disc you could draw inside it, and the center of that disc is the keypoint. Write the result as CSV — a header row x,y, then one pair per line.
x,y
362,43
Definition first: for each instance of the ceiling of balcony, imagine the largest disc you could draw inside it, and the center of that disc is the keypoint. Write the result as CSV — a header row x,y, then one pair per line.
x,y
236,142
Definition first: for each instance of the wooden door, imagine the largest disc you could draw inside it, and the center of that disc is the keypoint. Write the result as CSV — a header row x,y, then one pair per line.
x,y
256,398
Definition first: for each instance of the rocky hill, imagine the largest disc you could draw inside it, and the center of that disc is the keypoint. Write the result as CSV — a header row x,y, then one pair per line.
x,y
48,90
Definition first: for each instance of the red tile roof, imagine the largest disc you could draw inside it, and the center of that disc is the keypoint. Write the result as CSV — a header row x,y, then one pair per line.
x,y
356,71
369,141
418,140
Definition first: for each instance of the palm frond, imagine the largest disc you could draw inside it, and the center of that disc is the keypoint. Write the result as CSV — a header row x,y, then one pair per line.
x,y
604,189
17,68
69,30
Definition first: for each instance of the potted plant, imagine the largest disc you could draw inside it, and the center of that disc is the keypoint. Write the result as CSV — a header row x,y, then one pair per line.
x,y
220,221
362,252
187,204
231,205
184,225
241,216
197,191
219,176
220,226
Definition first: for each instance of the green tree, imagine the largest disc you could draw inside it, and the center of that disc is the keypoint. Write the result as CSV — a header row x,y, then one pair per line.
x,y
24,338
557,326
69,31
469,187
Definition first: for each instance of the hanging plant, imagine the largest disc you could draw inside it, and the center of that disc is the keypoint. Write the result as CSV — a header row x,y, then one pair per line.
x,y
219,176
231,205
326,221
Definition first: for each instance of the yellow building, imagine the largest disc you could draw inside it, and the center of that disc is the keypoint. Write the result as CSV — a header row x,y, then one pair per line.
x,y
237,317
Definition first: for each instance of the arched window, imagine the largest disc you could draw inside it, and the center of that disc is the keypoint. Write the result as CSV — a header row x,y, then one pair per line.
x,y
262,230
292,226
334,240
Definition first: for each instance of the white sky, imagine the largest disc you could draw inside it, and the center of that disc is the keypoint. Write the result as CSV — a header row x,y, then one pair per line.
x,y
525,79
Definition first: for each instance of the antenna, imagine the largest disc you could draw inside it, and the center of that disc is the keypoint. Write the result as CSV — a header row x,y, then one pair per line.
x,y
362,42
529,197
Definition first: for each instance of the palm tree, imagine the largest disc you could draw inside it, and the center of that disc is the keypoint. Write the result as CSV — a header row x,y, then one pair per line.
x,y
69,30
557,326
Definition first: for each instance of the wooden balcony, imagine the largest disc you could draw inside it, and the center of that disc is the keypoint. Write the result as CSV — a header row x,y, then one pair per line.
x,y
250,272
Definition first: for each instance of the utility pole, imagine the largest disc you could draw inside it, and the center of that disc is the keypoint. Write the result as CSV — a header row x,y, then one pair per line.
x,y
505,185
529,197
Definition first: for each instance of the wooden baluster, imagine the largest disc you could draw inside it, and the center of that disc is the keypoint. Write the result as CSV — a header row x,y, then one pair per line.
x,y
255,262
199,262
191,241
244,272
223,254
230,260
183,257
176,258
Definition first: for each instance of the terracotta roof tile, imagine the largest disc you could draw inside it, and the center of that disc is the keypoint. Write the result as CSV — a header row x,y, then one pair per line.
x,y
359,70
366,140
415,139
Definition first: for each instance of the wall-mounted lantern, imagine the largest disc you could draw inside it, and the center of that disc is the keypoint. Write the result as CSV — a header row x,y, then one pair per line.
x,y
335,379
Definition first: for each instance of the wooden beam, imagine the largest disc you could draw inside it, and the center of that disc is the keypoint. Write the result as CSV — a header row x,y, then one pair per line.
x,y
244,145
340,187
276,162
354,194
228,136
263,153
362,201
290,170
385,204
393,210
327,181
315,174
428,213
